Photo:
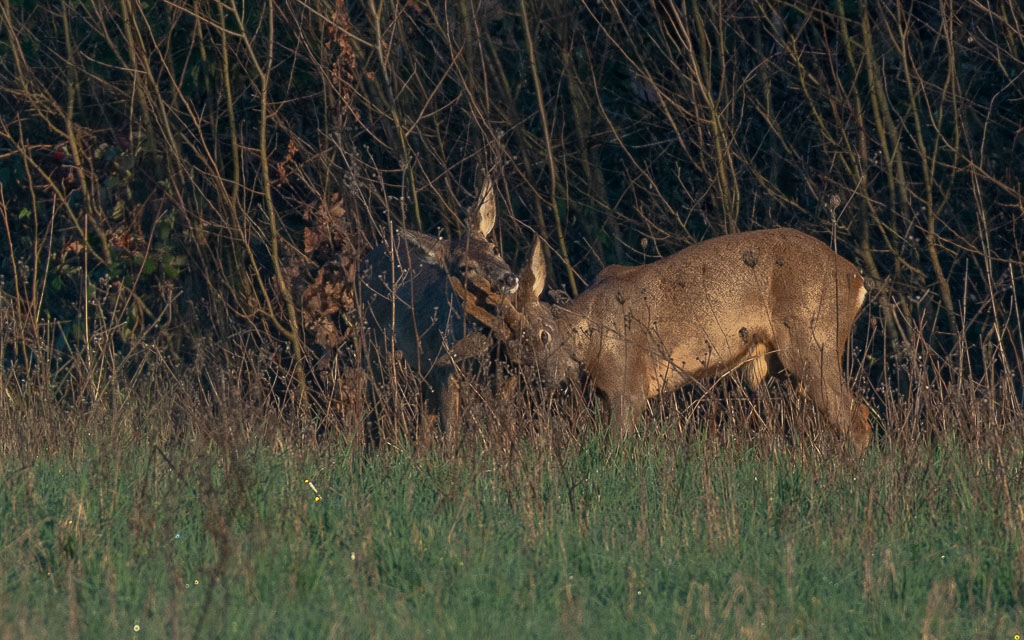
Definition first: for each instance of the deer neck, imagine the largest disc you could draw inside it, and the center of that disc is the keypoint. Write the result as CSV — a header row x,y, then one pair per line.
x,y
574,324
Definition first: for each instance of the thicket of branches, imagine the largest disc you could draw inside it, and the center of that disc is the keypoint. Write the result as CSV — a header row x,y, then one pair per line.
x,y
180,180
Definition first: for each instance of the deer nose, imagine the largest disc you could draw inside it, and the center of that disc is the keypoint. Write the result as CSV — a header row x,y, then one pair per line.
x,y
509,283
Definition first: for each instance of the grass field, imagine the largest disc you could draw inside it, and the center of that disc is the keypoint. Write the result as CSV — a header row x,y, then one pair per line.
x,y
215,532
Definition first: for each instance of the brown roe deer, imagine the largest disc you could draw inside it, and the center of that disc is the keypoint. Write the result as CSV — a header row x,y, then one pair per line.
x,y
756,302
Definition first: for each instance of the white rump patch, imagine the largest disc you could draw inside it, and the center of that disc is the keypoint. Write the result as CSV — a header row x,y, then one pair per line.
x,y
756,367
860,296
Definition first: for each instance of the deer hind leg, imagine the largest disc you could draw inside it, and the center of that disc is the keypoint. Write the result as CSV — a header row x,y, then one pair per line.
x,y
818,372
753,369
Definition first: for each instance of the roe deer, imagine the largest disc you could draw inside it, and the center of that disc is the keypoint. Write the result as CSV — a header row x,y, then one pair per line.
x,y
743,301
433,301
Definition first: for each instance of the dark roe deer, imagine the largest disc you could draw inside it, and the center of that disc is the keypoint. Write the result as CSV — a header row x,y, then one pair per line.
x,y
423,299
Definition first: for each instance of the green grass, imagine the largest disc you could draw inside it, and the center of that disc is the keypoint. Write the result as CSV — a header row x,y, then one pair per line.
x,y
599,541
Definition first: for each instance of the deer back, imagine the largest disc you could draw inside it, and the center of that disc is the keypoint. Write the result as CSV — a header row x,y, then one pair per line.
x,y
700,311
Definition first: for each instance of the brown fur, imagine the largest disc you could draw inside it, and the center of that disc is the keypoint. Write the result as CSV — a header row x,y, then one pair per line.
x,y
731,303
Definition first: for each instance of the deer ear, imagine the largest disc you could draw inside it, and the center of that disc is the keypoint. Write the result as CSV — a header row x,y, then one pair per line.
x,y
534,274
482,220
436,249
